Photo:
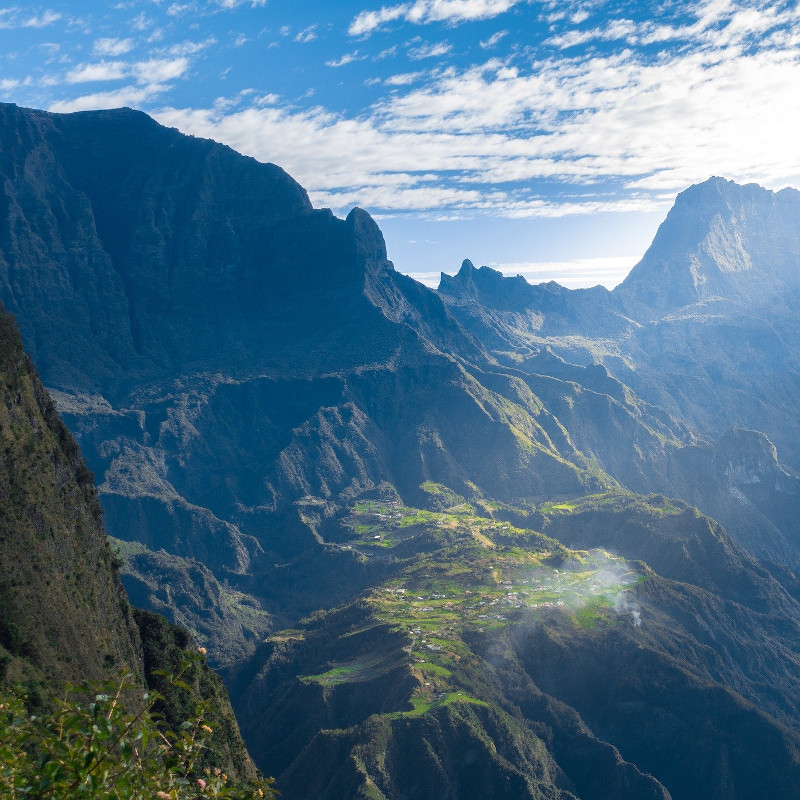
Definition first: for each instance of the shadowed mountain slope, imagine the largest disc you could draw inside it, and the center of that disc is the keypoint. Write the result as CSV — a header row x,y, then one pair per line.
x,y
64,616
63,612
551,671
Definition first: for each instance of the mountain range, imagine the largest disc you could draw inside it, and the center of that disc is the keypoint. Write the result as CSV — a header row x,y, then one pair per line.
x,y
495,540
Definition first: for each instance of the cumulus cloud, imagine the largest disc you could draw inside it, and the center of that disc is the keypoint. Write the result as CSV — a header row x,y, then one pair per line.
x,y
102,71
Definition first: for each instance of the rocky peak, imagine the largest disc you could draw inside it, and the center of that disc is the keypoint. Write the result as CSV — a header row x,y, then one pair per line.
x,y
723,241
368,238
489,287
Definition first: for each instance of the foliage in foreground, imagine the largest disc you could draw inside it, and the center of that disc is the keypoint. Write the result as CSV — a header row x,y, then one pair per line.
x,y
105,741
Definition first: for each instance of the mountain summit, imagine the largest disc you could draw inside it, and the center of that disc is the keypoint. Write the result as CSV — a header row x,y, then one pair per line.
x,y
721,241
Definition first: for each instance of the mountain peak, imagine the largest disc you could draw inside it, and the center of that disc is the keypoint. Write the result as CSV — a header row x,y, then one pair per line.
x,y
466,267
720,240
369,242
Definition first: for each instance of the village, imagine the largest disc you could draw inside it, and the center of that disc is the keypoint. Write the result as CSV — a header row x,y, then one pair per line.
x,y
486,575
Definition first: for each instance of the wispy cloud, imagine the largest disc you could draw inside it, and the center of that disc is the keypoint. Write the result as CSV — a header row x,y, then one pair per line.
x,y
307,35
112,47
429,50
717,23
493,40
404,78
41,20
347,58
616,131
16,17
586,112
189,48
423,12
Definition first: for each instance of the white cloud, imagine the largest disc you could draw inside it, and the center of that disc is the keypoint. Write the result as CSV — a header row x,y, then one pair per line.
x,y
102,71
132,96
141,22
14,17
347,58
651,125
403,79
41,20
154,71
429,50
423,12
189,48
112,47
609,129
307,35
368,21
493,40
159,70
718,23
232,4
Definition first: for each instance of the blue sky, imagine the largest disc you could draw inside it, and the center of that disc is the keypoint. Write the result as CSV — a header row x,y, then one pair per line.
x,y
543,138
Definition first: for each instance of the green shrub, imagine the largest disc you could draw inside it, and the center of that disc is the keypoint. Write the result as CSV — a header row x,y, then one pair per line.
x,y
105,741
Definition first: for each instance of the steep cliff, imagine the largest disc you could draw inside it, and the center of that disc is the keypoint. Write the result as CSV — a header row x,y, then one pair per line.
x,y
64,615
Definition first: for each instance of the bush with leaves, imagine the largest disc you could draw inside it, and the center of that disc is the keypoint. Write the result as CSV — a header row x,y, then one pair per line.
x,y
105,741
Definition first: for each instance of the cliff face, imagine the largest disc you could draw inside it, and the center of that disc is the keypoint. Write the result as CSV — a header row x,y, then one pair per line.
x,y
64,615
703,329
64,611
130,252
